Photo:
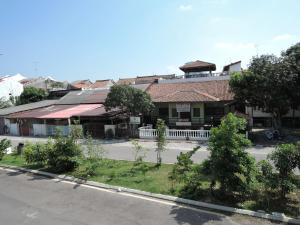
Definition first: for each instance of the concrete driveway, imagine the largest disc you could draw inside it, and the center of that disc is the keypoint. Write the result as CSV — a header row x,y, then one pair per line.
x,y
122,149
36,200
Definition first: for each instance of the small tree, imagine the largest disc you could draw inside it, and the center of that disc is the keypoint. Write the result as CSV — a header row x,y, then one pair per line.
x,y
285,160
183,166
31,94
161,139
229,163
139,152
4,144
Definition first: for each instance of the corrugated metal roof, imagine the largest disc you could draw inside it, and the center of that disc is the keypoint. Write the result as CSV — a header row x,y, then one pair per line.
x,y
55,111
84,97
98,112
71,111
25,107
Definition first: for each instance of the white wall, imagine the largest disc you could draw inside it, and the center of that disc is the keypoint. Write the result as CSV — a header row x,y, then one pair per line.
x,y
10,86
235,67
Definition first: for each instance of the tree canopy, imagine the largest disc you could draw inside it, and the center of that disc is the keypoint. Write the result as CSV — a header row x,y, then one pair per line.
x,y
270,83
4,103
31,94
129,99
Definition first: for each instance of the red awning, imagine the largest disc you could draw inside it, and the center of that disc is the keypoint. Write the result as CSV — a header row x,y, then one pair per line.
x,y
56,111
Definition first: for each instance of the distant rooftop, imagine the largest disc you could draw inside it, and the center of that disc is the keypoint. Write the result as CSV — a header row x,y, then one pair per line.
x,y
198,66
145,79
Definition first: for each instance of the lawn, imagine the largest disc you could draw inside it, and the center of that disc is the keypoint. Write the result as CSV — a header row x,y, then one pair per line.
x,y
155,180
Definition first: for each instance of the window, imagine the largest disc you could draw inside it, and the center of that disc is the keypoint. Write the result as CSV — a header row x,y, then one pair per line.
x,y
174,113
163,112
196,112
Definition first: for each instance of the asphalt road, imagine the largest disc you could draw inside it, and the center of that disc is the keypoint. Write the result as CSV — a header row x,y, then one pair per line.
x,y
35,200
123,149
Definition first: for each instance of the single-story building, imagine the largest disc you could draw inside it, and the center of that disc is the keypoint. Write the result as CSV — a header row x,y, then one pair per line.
x,y
11,128
192,103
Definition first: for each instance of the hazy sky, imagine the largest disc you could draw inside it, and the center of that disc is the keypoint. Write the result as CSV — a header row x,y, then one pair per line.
x,y
73,39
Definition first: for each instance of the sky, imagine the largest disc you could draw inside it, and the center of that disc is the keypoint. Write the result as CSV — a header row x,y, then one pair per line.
x,y
95,39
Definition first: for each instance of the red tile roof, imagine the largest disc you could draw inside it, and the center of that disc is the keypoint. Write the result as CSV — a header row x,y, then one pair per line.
x,y
101,84
81,84
205,91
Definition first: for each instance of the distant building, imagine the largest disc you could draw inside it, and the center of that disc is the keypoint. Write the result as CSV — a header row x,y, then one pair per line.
x,y
46,83
145,79
198,69
102,84
10,86
82,84
233,67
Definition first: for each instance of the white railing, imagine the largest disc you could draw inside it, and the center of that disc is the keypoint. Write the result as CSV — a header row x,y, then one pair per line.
x,y
199,135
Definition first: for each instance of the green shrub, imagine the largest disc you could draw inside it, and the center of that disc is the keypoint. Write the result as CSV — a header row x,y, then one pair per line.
x,y
4,144
37,153
183,166
285,160
64,154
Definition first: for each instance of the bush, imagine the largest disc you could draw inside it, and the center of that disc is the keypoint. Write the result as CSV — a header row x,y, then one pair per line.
x,y
4,144
183,166
64,154
36,153
285,160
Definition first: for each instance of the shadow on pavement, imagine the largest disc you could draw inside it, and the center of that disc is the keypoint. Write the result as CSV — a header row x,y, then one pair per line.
x,y
193,217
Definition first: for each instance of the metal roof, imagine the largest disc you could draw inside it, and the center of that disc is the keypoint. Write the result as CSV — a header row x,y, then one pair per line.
x,y
25,107
100,111
55,111
84,97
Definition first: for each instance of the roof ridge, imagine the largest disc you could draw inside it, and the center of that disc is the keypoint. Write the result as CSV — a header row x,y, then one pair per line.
x,y
207,95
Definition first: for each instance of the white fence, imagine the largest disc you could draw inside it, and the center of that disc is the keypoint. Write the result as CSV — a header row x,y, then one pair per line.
x,y
199,135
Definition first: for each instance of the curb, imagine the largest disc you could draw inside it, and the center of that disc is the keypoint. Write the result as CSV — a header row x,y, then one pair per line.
x,y
274,216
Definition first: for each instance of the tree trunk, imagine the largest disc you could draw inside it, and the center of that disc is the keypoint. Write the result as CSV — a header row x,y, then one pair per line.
x,y
277,125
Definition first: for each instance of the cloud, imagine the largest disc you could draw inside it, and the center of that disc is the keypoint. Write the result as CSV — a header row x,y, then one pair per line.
x,y
235,46
185,7
283,37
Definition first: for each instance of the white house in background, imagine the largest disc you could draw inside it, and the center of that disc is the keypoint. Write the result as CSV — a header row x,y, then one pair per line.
x,y
10,86
233,67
